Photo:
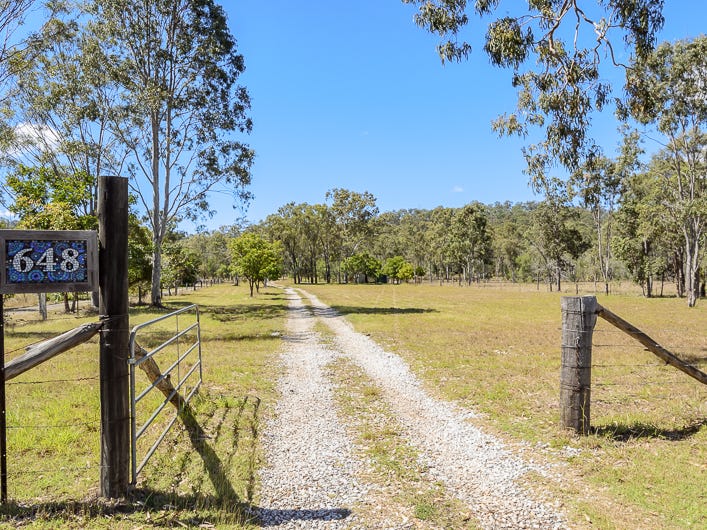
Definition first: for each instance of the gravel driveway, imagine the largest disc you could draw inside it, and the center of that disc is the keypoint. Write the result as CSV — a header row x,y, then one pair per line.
x,y
313,478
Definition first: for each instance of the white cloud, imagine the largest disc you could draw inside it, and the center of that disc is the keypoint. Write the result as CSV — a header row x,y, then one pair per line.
x,y
46,137
457,189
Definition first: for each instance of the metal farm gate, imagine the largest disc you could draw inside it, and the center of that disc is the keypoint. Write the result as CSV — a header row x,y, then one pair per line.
x,y
160,342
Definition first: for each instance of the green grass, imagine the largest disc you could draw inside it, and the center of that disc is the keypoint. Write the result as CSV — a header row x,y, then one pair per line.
x,y
54,435
496,349
493,349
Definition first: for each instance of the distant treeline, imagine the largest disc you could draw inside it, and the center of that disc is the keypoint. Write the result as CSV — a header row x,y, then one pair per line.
x,y
346,239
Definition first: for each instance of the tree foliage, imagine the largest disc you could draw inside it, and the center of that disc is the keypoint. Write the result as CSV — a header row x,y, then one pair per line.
x,y
46,200
12,15
62,104
554,49
397,269
256,259
667,88
361,267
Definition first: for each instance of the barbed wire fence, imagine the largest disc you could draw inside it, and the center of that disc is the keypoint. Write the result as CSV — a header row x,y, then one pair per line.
x,y
634,392
53,413
626,389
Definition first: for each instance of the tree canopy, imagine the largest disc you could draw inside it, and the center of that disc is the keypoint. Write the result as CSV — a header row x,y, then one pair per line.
x,y
256,259
147,89
554,49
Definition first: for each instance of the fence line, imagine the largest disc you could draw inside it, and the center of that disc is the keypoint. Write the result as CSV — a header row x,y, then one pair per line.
x,y
579,320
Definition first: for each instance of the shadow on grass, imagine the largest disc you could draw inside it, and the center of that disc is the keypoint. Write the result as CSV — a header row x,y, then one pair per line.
x,y
696,360
160,510
353,310
165,510
170,509
624,433
221,313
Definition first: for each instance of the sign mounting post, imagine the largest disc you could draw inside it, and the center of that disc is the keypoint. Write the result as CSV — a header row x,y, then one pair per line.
x,y
40,261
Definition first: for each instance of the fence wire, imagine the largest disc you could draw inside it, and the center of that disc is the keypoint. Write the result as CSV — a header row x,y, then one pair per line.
x,y
632,387
53,411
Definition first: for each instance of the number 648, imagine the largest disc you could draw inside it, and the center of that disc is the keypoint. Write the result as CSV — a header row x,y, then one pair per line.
x,y
22,261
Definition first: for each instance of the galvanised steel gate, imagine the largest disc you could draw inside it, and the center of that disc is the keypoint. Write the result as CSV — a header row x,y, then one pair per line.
x,y
180,351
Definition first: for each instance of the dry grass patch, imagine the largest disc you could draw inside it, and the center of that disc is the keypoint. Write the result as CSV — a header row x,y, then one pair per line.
x,y
497,350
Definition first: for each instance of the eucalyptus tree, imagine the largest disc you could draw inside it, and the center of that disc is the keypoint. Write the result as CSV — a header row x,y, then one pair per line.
x,y
181,266
312,226
440,238
181,111
508,223
389,240
12,16
639,236
414,230
212,249
599,185
353,214
329,239
284,226
555,49
471,240
61,105
667,89
555,233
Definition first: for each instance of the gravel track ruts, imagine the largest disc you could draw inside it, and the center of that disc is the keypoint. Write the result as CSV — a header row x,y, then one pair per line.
x,y
311,479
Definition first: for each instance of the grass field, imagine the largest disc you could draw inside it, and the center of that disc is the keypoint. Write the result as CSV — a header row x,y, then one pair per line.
x,y
54,421
491,348
496,349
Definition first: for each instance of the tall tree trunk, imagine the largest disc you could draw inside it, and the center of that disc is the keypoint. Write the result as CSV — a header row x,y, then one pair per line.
x,y
157,221
679,267
156,291
692,267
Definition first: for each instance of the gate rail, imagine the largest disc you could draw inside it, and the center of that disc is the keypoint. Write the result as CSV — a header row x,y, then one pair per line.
x,y
136,361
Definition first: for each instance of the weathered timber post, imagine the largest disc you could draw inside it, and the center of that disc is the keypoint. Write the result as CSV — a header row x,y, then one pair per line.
x,y
579,315
3,411
113,307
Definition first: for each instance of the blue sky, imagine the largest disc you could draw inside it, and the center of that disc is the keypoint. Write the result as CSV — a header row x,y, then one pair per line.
x,y
353,95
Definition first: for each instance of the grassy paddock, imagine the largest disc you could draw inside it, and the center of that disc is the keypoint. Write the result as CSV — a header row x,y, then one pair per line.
x,y
496,349
54,421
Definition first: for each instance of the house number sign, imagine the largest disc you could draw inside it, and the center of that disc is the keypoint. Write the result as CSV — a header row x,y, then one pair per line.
x,y
38,261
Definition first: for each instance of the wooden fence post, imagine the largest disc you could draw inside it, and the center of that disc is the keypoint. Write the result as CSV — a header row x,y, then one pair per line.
x,y
579,315
113,307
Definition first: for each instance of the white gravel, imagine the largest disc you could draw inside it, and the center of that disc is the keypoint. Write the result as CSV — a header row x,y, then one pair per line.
x,y
312,474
